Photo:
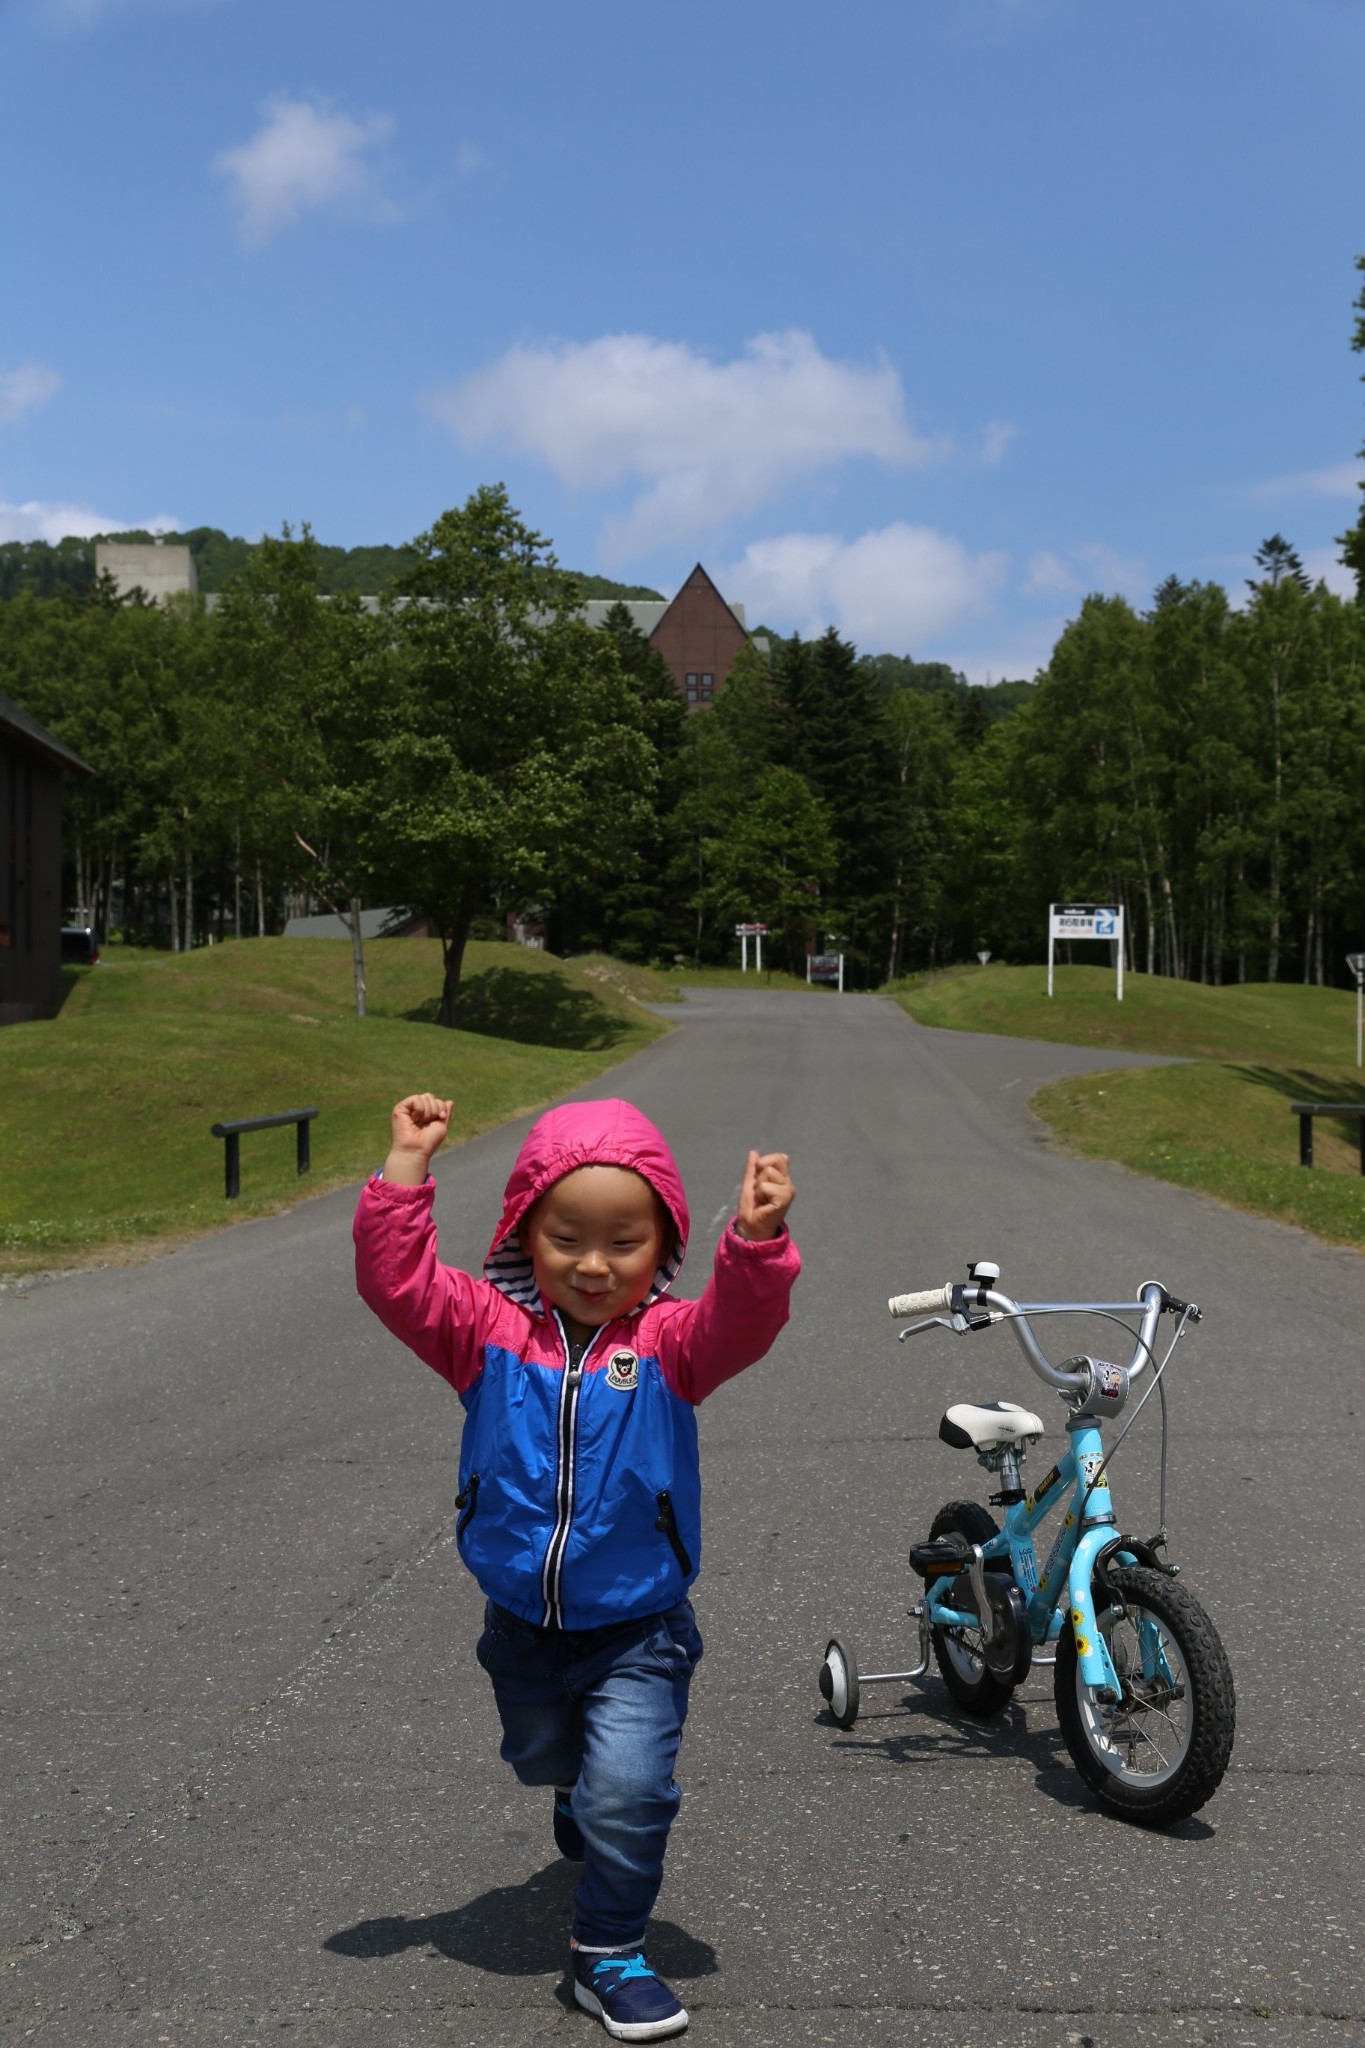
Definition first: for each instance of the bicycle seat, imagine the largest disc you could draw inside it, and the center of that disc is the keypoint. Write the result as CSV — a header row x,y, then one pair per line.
x,y
989,1426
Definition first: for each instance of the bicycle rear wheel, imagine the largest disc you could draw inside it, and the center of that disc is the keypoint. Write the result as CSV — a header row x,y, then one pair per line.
x,y
1159,1752
959,1652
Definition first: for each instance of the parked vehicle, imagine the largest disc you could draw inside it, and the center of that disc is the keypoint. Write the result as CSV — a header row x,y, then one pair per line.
x,y
78,946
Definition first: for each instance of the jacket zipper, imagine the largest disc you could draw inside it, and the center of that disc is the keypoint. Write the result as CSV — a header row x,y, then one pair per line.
x,y
566,1440
466,1500
667,1525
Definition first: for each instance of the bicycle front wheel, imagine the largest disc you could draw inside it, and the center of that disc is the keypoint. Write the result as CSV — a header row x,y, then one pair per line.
x,y
1159,1752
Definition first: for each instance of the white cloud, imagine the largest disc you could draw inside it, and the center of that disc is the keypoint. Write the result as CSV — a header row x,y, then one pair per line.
x,y
37,520
1093,566
1049,572
1106,570
23,388
1324,565
1341,481
302,156
470,158
707,440
890,590
995,439
1015,657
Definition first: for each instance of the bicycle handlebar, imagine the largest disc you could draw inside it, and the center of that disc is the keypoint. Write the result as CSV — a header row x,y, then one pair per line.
x,y
929,1301
990,1305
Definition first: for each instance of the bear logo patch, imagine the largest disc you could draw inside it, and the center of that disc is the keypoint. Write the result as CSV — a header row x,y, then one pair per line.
x,y
623,1371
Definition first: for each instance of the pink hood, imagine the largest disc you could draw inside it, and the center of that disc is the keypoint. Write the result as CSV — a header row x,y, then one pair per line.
x,y
578,1134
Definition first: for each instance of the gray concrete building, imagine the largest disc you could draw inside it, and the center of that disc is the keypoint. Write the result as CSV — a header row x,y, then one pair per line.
x,y
159,569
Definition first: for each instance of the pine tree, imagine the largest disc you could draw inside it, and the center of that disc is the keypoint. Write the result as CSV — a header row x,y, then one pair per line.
x,y
1352,542
843,745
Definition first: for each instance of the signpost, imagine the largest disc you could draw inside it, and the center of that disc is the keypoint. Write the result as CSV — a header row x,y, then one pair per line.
x,y
1086,921
826,967
1356,963
745,932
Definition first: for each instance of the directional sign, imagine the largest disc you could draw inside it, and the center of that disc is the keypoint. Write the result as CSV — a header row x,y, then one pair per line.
x,y
1084,921
1071,921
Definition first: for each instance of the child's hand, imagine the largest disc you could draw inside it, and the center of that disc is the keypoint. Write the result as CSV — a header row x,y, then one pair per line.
x,y
765,1195
418,1127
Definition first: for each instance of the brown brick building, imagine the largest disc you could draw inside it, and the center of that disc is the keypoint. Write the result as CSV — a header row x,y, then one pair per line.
x,y
698,634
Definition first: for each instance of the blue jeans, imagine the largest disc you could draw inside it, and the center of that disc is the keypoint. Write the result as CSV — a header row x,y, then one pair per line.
x,y
600,1709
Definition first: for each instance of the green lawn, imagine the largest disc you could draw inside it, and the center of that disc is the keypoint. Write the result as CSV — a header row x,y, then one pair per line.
x,y
1256,1021
105,1110
1221,1124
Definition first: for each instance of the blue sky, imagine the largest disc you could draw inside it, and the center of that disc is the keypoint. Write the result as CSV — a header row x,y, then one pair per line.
x,y
922,319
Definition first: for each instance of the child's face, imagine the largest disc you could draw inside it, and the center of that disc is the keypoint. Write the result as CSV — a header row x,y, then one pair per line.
x,y
595,1239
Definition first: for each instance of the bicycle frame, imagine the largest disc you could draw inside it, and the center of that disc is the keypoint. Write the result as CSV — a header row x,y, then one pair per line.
x,y
1087,1528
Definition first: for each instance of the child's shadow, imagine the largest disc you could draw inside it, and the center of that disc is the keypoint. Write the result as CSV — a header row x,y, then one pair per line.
x,y
515,1930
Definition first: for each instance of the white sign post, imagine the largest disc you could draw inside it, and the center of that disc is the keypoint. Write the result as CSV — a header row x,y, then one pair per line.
x,y
826,968
745,932
1086,921
1356,963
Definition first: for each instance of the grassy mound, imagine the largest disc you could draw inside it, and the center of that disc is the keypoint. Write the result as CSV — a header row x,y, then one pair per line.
x,y
1221,1124
1252,1021
105,1109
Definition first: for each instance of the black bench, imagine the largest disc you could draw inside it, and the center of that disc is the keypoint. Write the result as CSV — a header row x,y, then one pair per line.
x,y
232,1133
1306,1111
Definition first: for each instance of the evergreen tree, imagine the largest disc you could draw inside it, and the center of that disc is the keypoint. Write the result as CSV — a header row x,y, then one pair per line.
x,y
842,745
627,913
1352,542
1278,562
773,863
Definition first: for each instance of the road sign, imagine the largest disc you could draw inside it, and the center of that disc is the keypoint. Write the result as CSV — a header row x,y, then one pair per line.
x,y
1086,921
745,932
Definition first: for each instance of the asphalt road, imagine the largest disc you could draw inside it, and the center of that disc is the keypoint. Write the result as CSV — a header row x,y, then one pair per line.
x,y
251,1787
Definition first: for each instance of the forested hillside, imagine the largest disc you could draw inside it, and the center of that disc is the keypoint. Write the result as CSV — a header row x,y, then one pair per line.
x,y
48,568
484,751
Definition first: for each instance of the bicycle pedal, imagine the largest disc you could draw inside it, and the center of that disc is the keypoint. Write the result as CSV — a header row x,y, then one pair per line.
x,y
944,1557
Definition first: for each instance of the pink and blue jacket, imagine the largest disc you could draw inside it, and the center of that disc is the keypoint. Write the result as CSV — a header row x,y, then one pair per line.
x,y
580,1491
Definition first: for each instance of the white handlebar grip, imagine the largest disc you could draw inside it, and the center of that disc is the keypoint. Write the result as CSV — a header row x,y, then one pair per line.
x,y
927,1302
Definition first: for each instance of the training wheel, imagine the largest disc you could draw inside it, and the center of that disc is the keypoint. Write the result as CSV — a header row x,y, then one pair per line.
x,y
839,1682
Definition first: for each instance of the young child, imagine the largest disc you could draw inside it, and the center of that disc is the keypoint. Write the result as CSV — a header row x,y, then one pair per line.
x,y
580,1497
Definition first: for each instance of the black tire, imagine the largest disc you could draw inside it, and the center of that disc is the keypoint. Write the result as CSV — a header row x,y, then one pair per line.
x,y
1161,1752
963,1668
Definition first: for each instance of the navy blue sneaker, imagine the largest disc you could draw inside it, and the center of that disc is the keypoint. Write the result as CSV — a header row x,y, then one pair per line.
x,y
621,1990
568,1834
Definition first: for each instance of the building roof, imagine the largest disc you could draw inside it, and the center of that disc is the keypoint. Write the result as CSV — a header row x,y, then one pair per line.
x,y
645,611
16,724
736,611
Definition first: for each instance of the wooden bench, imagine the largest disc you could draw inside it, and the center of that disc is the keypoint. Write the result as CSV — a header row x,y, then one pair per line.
x,y
1306,1111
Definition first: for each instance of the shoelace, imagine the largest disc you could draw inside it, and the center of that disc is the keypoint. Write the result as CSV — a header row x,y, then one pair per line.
x,y
629,1966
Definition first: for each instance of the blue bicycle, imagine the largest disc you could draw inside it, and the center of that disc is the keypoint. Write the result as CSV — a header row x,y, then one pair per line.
x,y
1143,1687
